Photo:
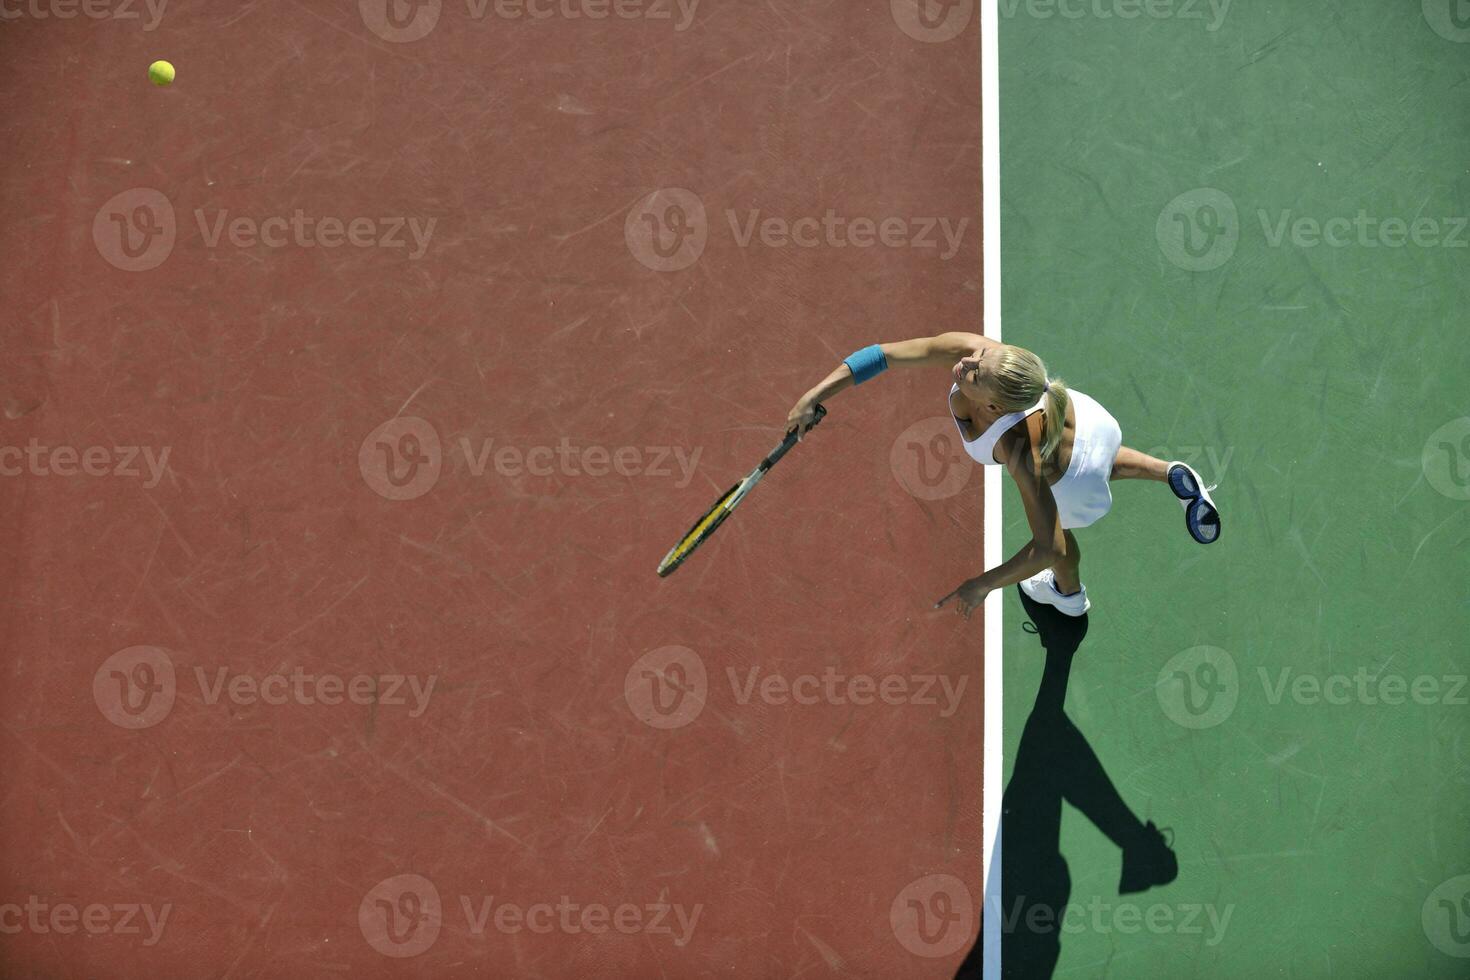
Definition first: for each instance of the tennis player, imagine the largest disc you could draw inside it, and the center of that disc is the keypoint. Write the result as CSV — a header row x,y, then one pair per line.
x,y
1059,445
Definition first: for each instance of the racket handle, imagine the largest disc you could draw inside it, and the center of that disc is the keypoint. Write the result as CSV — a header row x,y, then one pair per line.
x,y
818,413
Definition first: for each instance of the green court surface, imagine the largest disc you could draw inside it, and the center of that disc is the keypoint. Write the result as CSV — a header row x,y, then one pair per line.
x,y
1244,232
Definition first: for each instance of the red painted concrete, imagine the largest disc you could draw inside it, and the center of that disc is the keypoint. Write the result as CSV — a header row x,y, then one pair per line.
x,y
264,546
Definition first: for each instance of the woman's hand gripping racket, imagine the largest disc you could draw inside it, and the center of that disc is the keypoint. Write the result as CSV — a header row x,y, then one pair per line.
x,y
715,516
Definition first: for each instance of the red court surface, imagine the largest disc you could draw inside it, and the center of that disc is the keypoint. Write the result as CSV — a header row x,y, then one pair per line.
x,y
352,390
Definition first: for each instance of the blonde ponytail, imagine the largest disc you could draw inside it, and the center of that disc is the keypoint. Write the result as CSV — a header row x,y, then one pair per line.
x,y
1056,416
1019,381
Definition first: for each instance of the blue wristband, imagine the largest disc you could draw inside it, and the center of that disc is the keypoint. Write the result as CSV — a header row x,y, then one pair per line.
x,y
867,363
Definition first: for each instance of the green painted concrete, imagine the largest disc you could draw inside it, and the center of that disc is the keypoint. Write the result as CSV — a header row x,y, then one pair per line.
x,y
1324,383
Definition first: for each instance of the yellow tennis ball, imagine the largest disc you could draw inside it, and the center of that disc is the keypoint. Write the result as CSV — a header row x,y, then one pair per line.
x,y
161,73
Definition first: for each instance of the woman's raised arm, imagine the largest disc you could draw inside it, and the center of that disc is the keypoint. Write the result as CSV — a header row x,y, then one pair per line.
x,y
871,361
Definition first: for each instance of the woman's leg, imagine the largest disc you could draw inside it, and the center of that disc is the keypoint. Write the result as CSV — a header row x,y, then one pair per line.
x,y
1130,464
1068,570
1202,517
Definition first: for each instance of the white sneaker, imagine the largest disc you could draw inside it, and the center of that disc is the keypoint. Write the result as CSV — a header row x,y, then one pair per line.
x,y
1042,587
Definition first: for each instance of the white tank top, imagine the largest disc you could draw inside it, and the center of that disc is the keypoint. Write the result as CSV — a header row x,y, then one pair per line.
x,y
982,450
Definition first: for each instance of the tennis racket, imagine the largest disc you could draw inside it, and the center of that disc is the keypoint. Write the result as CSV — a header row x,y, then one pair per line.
x,y
715,516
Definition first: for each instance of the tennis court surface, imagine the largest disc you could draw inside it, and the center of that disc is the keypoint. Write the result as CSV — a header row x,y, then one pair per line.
x,y
354,384
353,387
1242,228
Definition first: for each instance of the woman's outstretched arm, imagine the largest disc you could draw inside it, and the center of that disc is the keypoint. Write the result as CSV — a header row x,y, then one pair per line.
x,y
944,349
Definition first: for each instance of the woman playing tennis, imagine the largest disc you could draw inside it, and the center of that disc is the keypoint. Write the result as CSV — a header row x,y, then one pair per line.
x,y
1059,445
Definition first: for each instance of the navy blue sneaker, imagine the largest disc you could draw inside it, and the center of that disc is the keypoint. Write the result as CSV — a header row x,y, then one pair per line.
x,y
1201,516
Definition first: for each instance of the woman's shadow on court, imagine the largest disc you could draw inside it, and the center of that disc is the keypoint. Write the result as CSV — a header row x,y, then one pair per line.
x,y
1055,763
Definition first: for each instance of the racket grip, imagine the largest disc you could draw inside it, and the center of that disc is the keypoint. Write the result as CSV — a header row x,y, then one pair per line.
x,y
818,413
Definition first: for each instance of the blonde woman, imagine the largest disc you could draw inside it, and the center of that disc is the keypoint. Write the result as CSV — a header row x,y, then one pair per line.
x,y
1059,445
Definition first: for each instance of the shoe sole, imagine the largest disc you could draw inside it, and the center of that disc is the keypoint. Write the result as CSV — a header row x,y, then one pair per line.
x,y
1190,499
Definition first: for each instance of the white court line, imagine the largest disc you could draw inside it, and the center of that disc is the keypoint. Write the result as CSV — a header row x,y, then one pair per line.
x,y
991,780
